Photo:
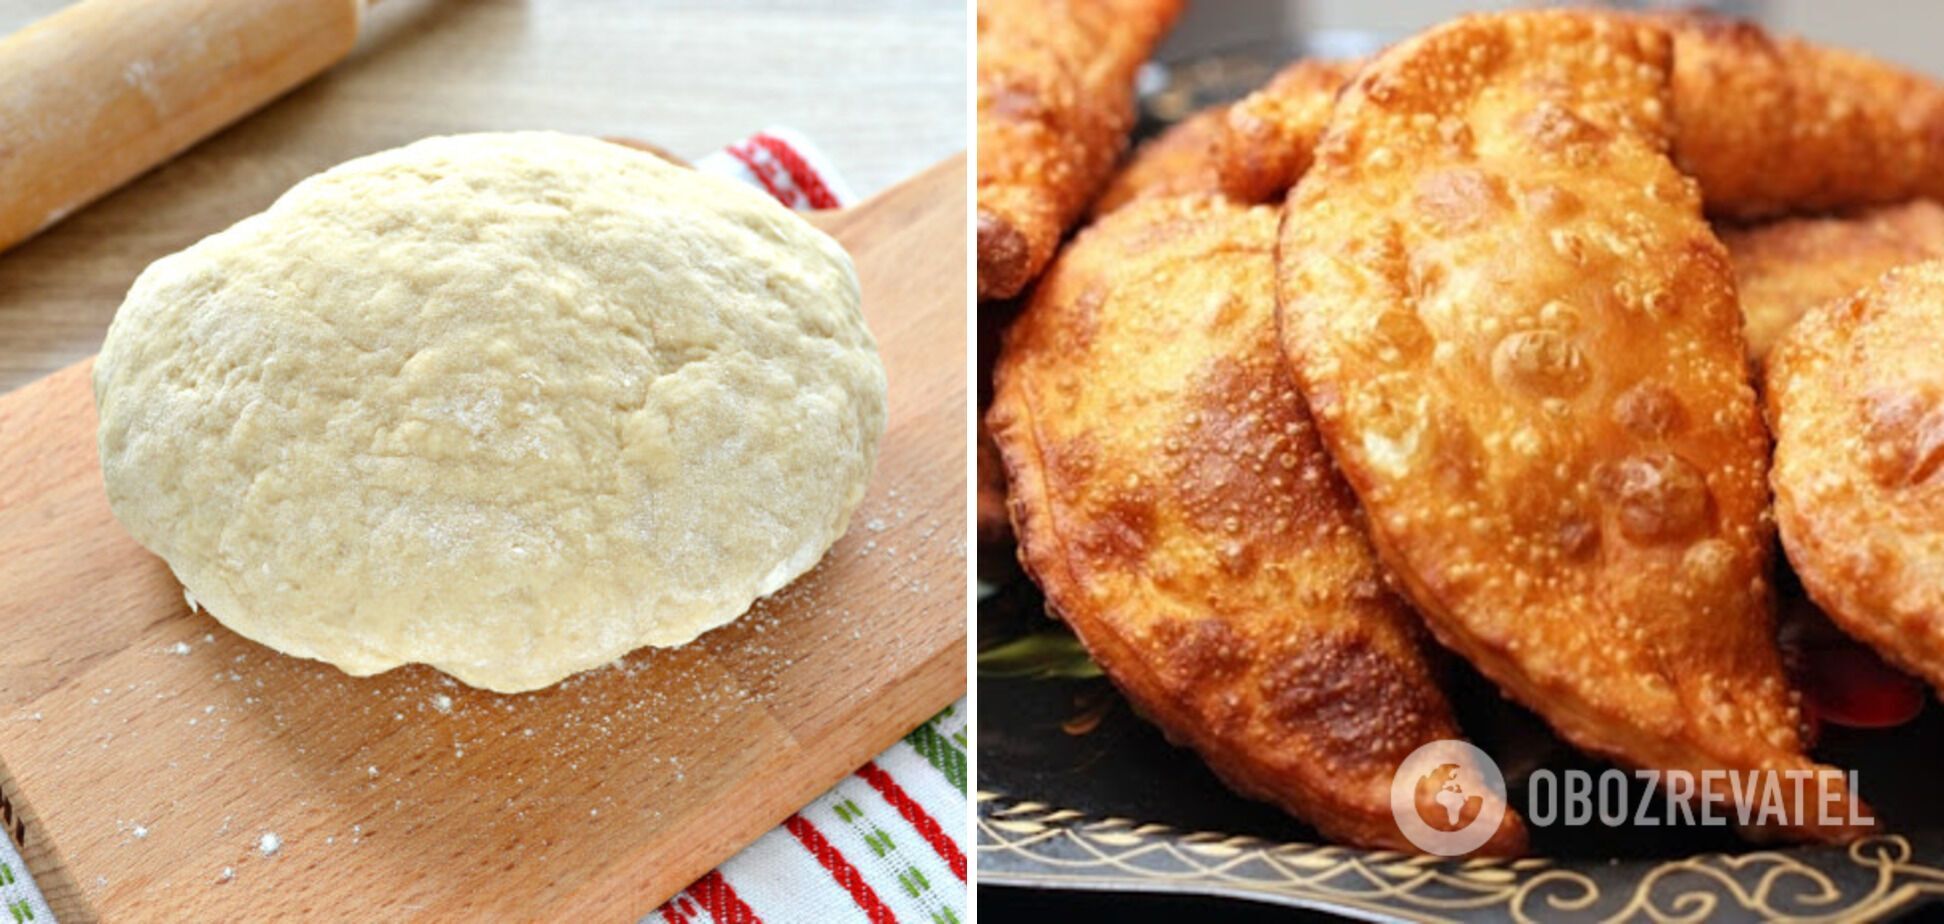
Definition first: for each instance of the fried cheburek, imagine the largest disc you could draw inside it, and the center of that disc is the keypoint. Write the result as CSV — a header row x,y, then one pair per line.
x,y
1856,398
1269,136
1767,125
1056,100
1772,125
990,508
1250,151
1180,161
1786,267
1521,345
1170,497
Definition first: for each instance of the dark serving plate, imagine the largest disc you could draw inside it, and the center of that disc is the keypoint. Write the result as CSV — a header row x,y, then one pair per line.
x,y
1077,793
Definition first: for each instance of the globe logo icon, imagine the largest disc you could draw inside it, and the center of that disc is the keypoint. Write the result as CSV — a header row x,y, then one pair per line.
x,y
1448,798
1449,807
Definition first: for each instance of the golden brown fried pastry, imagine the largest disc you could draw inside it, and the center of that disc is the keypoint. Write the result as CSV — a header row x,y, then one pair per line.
x,y
1856,397
994,527
1170,497
1270,135
1521,344
1179,161
1056,100
1771,125
1786,267
1251,151
1767,125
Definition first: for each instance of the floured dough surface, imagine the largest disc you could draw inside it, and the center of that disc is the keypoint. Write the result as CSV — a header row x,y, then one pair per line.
x,y
511,405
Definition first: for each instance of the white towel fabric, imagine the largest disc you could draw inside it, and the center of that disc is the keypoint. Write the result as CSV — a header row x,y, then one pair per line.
x,y
20,900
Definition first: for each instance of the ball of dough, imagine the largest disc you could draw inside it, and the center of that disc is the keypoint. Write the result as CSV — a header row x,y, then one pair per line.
x,y
511,405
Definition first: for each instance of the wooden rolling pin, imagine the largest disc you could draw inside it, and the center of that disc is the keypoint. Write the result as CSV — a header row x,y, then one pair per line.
x,y
105,89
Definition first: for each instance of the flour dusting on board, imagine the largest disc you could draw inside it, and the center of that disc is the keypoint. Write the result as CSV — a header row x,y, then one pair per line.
x,y
343,765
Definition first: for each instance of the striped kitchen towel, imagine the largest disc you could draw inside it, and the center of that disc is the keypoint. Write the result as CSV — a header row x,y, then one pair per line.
x,y
784,164
884,845
20,900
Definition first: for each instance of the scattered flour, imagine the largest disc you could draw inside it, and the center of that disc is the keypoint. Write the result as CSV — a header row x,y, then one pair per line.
x,y
603,726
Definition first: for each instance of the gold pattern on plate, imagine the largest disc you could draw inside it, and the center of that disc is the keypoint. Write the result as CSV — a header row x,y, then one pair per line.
x,y
1045,845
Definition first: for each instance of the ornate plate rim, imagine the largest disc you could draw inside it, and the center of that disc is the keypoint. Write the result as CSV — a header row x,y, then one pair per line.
x,y
1014,828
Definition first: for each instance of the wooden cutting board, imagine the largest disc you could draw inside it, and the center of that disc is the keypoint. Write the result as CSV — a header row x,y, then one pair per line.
x,y
149,750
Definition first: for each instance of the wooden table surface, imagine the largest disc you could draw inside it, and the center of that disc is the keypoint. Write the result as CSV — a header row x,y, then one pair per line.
x,y
879,85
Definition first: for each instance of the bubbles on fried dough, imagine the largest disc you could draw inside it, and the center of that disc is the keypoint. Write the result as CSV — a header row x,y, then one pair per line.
x,y
1650,410
1540,362
1661,497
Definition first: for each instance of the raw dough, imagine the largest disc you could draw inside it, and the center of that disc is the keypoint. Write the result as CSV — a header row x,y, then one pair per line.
x,y
507,404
